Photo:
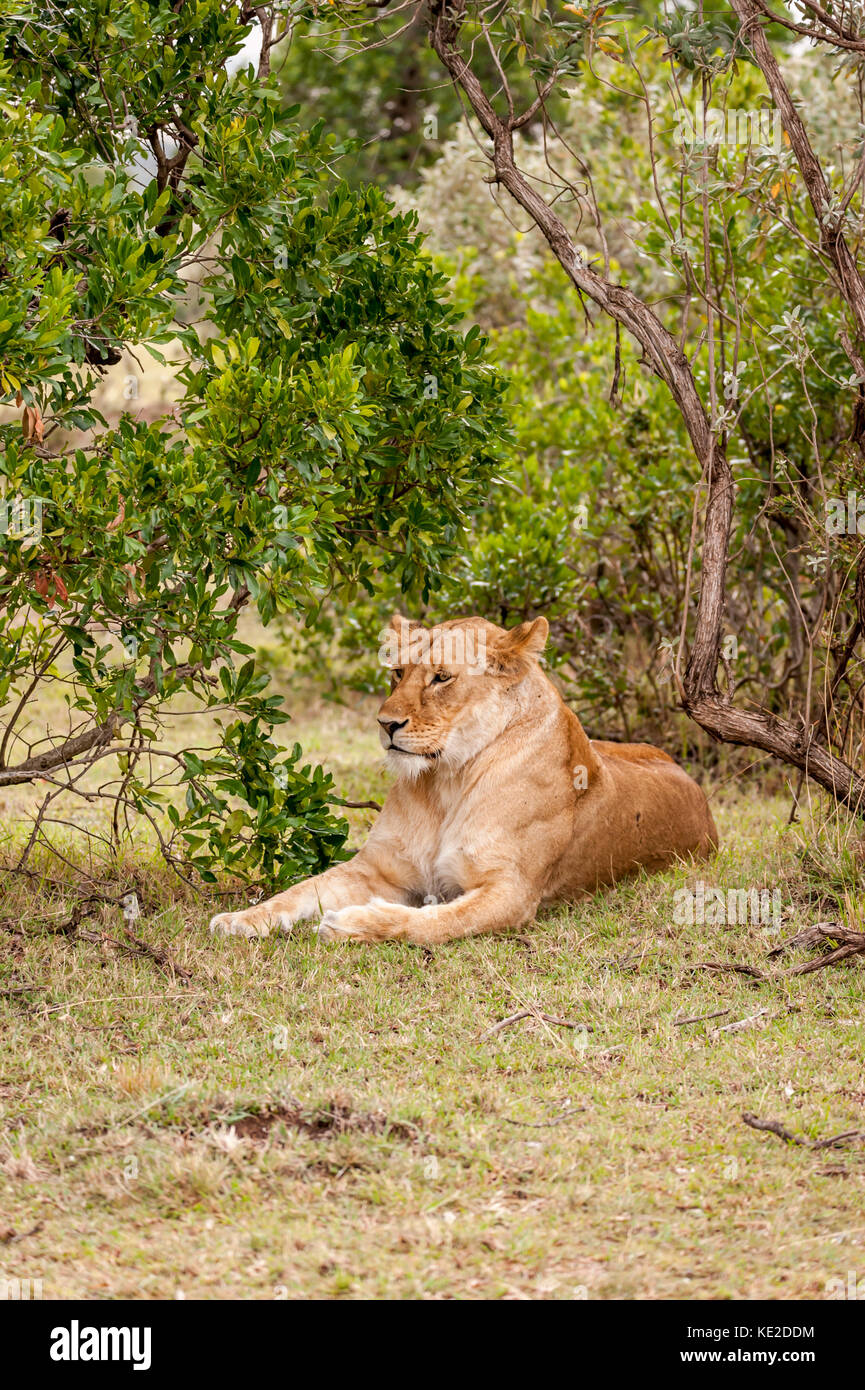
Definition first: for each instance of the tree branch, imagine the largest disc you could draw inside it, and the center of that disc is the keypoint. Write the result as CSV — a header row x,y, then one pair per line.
x,y
792,743
661,348
832,239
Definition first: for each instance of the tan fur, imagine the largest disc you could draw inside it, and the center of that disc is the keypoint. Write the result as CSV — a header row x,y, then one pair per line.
x,y
501,802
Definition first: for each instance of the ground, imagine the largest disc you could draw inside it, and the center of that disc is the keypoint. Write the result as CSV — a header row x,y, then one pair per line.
x,y
299,1119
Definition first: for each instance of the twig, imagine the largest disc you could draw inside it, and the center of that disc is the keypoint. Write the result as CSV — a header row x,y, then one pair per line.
x,y
159,954
699,1018
831,959
817,934
8,1237
505,1023
775,1127
852,943
533,1013
841,1141
718,966
114,998
547,1124
740,1023
20,989
134,945
357,805
837,1141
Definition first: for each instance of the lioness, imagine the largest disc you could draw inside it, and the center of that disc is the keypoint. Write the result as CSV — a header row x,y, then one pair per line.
x,y
501,802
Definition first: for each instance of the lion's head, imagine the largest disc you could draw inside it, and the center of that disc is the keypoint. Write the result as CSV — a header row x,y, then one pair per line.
x,y
452,688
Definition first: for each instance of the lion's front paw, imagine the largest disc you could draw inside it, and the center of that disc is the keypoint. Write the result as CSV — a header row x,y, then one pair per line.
x,y
252,922
377,921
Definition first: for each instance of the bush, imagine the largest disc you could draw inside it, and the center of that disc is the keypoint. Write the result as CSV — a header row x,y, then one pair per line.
x,y
334,422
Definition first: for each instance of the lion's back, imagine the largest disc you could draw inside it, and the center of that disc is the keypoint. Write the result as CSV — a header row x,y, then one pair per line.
x,y
631,752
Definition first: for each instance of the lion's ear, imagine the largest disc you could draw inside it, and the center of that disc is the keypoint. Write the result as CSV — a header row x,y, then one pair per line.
x,y
520,645
529,639
403,626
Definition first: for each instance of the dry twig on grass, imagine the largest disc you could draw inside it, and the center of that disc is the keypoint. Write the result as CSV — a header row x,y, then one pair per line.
x,y
160,955
740,1023
533,1013
548,1124
8,1237
851,943
133,945
718,967
699,1018
847,1139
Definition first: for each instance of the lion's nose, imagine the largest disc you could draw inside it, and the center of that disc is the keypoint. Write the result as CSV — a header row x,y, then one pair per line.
x,y
392,726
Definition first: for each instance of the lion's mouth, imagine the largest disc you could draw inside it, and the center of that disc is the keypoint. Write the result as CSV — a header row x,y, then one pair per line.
x,y
410,753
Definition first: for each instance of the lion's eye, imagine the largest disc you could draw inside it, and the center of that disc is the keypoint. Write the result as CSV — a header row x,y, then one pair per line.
x,y
441,678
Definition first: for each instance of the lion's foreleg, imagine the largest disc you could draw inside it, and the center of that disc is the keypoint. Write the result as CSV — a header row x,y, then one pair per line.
x,y
493,907
356,881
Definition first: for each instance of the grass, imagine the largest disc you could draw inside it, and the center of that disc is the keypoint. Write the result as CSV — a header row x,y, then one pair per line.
x,y
307,1120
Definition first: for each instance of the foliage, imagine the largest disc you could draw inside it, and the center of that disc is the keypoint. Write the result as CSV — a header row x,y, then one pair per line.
x,y
334,421
386,104
635,174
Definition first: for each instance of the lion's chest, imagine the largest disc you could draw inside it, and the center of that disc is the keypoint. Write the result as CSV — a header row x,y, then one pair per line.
x,y
439,862
443,838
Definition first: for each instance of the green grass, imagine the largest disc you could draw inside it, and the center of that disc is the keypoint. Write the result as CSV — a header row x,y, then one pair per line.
x,y
302,1119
